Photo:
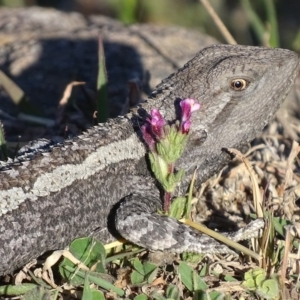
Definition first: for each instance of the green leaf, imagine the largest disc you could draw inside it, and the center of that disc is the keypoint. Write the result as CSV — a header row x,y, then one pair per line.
x,y
87,293
180,139
142,272
170,183
38,293
16,3
269,289
192,258
229,278
171,147
203,270
150,271
296,42
254,278
258,272
89,251
163,147
136,277
18,96
95,278
199,295
259,279
159,167
272,20
172,292
149,267
255,21
127,11
152,276
249,284
175,178
138,266
178,207
198,282
97,295
158,296
191,279
102,95
216,296
140,297
279,225
15,290
185,273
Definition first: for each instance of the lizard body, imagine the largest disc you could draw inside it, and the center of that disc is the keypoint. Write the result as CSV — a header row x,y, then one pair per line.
x,y
99,182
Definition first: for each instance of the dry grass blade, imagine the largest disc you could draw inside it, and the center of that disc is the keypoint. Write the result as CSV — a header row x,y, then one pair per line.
x,y
257,197
288,206
190,196
114,244
65,99
221,238
68,91
285,256
56,255
224,31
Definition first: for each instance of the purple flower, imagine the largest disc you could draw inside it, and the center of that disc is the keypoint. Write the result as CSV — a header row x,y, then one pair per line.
x,y
147,136
187,107
157,123
153,129
185,127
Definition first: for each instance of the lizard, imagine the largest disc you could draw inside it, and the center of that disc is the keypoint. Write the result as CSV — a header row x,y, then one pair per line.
x,y
100,182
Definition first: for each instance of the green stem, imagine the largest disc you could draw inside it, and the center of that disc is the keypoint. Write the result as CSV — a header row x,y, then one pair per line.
x,y
222,238
168,195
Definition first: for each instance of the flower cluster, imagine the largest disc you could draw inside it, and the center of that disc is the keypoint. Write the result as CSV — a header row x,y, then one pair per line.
x,y
167,143
156,130
153,130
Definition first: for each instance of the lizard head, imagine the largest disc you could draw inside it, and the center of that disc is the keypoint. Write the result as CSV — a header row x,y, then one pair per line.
x,y
239,88
242,85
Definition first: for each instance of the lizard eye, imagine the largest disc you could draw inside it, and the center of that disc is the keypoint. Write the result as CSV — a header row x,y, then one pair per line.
x,y
239,84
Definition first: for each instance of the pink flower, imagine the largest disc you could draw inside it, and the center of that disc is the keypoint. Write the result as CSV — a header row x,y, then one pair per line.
x,y
187,107
153,129
185,127
157,123
147,136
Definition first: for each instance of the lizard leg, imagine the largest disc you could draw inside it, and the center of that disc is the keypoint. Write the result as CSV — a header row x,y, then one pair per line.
x,y
137,221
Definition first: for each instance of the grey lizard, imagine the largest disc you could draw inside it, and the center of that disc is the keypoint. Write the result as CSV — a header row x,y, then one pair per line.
x,y
99,182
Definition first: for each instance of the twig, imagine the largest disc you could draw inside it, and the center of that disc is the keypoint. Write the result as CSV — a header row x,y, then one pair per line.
x,y
224,31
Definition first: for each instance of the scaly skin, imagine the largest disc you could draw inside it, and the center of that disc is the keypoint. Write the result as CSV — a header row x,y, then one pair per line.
x,y
100,181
